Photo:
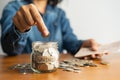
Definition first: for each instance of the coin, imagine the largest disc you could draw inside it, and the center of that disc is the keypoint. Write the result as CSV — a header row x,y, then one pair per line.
x,y
104,62
68,69
73,65
42,66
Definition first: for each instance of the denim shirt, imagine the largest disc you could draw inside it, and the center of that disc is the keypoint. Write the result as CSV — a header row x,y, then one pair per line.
x,y
13,42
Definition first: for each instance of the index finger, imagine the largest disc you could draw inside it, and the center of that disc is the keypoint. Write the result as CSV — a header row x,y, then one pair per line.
x,y
38,19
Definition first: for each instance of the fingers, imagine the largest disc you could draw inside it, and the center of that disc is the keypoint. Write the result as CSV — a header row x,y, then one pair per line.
x,y
39,21
27,16
86,58
94,47
16,22
22,22
93,44
93,56
96,56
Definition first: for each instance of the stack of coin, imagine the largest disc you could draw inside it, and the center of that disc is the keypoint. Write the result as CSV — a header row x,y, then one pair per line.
x,y
44,57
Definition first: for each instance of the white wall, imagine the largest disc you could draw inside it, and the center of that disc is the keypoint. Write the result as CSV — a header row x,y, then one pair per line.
x,y
98,19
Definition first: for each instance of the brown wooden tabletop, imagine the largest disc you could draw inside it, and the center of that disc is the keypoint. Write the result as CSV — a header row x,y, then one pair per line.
x,y
102,72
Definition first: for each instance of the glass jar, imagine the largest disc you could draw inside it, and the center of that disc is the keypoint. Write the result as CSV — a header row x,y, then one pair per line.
x,y
44,57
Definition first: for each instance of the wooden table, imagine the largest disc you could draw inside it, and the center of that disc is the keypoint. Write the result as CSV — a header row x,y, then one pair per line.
x,y
102,72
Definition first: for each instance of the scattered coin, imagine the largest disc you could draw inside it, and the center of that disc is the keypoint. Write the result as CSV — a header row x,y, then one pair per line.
x,y
77,71
104,62
73,65
22,68
68,69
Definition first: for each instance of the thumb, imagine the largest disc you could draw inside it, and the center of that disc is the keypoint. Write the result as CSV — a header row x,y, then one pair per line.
x,y
94,47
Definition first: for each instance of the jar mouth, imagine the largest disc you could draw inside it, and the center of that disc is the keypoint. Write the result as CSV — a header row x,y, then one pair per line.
x,y
37,44
49,42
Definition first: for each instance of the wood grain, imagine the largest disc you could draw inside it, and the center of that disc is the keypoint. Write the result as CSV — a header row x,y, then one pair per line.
x,y
102,72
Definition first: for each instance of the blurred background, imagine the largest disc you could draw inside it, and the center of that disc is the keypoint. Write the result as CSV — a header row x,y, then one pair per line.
x,y
97,19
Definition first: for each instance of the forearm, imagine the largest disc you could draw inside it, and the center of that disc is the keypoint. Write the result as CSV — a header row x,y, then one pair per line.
x,y
73,46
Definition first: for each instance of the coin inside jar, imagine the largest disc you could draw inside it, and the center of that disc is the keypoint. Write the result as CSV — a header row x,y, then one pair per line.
x,y
44,57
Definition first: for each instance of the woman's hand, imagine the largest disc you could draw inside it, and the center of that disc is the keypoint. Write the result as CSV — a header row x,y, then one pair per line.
x,y
27,16
92,45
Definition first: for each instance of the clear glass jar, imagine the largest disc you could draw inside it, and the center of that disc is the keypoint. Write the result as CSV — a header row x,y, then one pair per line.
x,y
44,57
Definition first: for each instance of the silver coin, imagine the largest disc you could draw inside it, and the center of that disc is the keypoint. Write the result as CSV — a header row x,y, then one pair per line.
x,y
104,62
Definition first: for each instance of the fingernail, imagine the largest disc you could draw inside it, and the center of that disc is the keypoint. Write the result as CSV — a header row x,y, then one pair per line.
x,y
45,33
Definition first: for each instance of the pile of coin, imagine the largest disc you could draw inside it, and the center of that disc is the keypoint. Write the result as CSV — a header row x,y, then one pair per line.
x,y
22,68
71,65
74,65
44,57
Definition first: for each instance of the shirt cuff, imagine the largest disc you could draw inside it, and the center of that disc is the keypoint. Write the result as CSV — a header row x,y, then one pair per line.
x,y
77,47
19,34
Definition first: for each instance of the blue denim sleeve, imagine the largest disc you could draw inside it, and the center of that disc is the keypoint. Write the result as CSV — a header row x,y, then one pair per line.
x,y
12,41
70,41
